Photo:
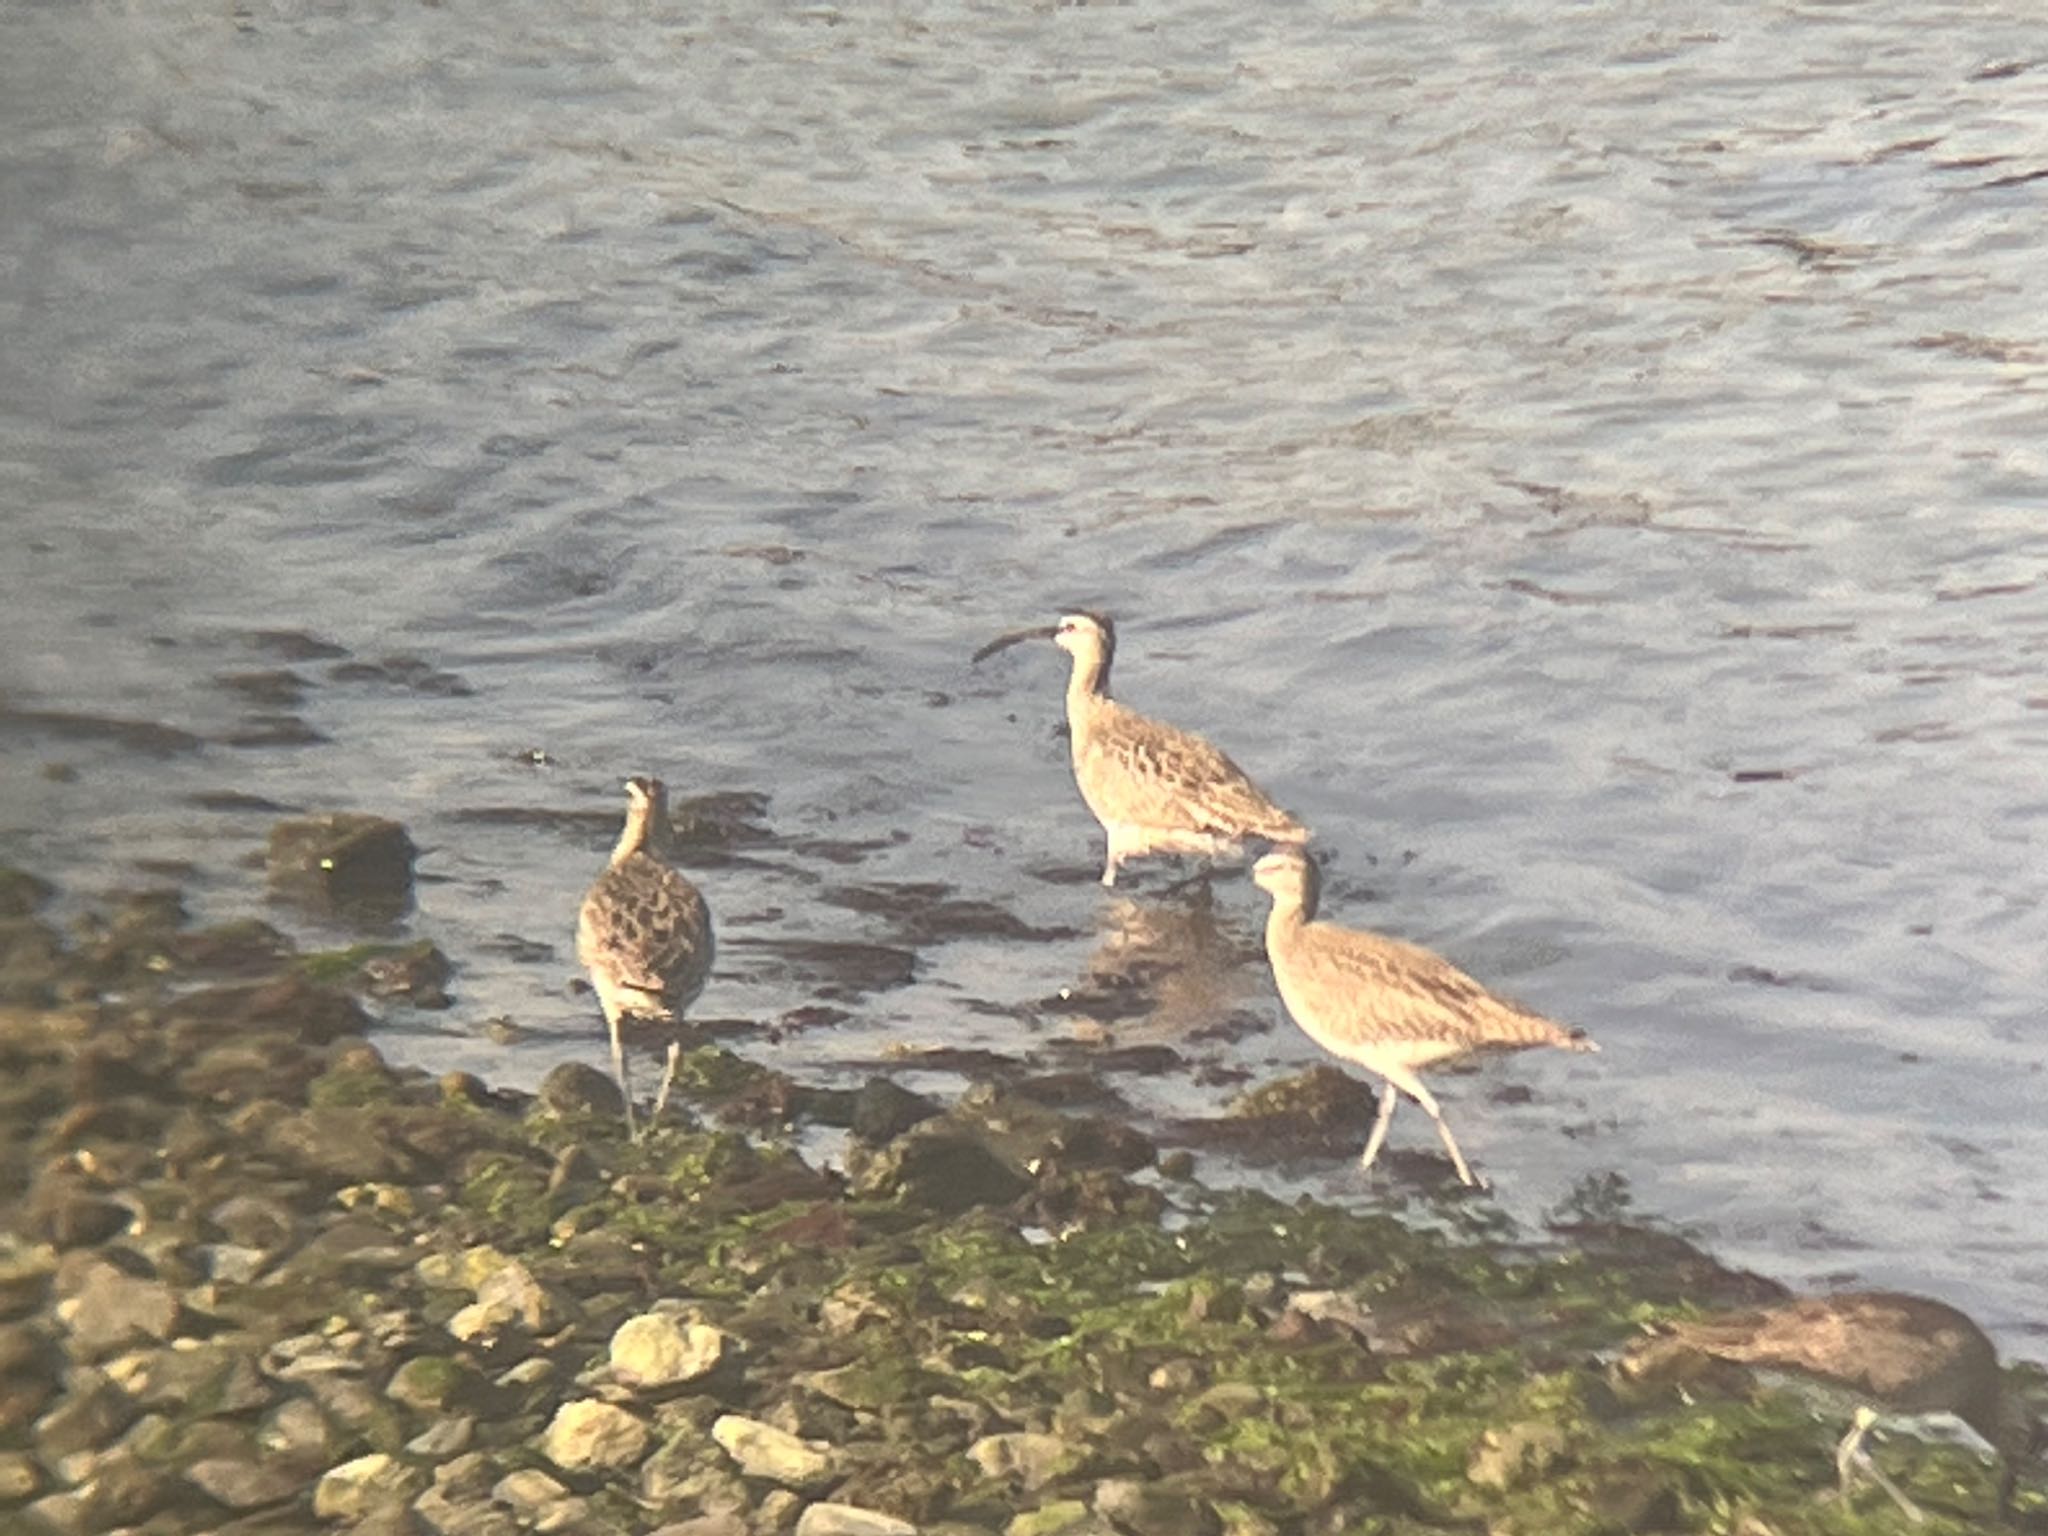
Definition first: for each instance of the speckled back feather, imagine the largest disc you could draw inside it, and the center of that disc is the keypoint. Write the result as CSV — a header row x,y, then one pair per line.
x,y
645,930
1137,770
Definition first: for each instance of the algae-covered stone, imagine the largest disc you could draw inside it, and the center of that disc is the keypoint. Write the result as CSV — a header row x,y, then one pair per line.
x,y
1029,1459
1063,1517
363,1486
507,1297
245,1484
434,1384
577,1088
589,1435
941,1167
659,1349
1155,1509
774,1455
349,862
850,1520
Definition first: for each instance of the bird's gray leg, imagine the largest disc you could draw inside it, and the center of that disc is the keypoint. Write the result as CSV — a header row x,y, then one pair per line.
x,y
611,1020
1112,857
1851,1458
1389,1097
1421,1095
668,1078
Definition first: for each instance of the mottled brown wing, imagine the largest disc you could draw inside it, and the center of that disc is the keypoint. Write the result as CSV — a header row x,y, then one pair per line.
x,y
1176,779
1404,992
648,929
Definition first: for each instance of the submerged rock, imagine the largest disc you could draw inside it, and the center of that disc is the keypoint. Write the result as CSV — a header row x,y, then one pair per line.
x,y
774,1455
364,1486
850,1520
355,864
593,1436
659,1349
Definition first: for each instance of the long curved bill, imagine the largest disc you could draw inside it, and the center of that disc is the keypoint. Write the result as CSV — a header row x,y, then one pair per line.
x,y
1015,637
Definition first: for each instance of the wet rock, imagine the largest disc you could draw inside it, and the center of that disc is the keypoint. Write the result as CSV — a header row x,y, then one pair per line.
x,y
528,1490
25,1271
773,1455
28,1376
124,1490
71,1217
341,1145
1064,1517
883,1110
20,1478
575,1171
577,1088
939,1167
1028,1459
292,1006
706,1525
245,1484
1635,1496
31,960
220,1376
22,893
1155,1509
446,1515
594,1436
1516,1454
347,862
443,1438
364,1486
508,1297
850,1520
298,1429
659,1349
113,1310
433,1384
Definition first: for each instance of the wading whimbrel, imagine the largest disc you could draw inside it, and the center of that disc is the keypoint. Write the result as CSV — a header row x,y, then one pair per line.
x,y
1909,1356
1393,1008
1154,788
644,934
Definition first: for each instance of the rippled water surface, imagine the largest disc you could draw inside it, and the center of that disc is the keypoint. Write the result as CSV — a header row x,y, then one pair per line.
x,y
1593,468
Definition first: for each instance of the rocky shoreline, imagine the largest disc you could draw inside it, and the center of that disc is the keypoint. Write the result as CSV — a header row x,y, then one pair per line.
x,y
255,1280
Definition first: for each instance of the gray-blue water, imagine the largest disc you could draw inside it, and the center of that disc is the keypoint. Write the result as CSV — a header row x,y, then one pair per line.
x,y
1591,464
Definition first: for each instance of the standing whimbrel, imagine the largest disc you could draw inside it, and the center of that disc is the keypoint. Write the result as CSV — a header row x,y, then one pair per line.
x,y
1910,1356
1393,1008
644,934
1154,788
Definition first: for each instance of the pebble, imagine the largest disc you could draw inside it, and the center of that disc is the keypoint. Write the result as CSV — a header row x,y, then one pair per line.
x,y
850,1520
245,1484
763,1451
659,1349
588,1434
528,1489
363,1486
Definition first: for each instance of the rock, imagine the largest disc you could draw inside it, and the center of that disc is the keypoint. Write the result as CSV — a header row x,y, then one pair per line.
x,y
659,1349
256,1221
114,1310
92,1413
28,1376
883,1110
850,1520
71,1218
25,1270
528,1490
19,1478
1065,1517
445,1515
1154,1509
939,1167
507,1297
342,1144
577,1088
1029,1459
590,1435
298,1429
21,893
431,1384
463,1271
365,1486
442,1439
245,1484
775,1455
124,1490
723,1524
348,862
221,1376
1515,1454
466,1477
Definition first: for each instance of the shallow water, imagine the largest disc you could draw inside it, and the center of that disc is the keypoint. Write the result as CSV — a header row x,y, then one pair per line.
x,y
1591,470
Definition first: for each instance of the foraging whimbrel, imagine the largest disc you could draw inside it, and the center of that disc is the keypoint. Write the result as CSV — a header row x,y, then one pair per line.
x,y
1393,1008
1908,1356
1154,788
644,934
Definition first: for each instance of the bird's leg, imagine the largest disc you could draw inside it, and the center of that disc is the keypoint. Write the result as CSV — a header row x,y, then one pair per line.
x,y
611,1019
668,1078
1112,856
1389,1097
1427,1100
1851,1458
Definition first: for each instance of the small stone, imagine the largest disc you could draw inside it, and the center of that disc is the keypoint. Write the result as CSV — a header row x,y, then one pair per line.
x,y
232,1263
447,1516
114,1310
443,1438
763,1451
884,1110
124,1490
590,1434
778,1510
245,1484
19,1477
1064,1517
467,1476
1154,1509
722,1524
91,1414
939,1167
577,1088
297,1428
528,1489
430,1384
850,1520
353,863
363,1486
1026,1458
659,1349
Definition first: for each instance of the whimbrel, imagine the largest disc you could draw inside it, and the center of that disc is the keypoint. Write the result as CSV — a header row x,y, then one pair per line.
x,y
1154,788
1908,1356
1393,1008
644,934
